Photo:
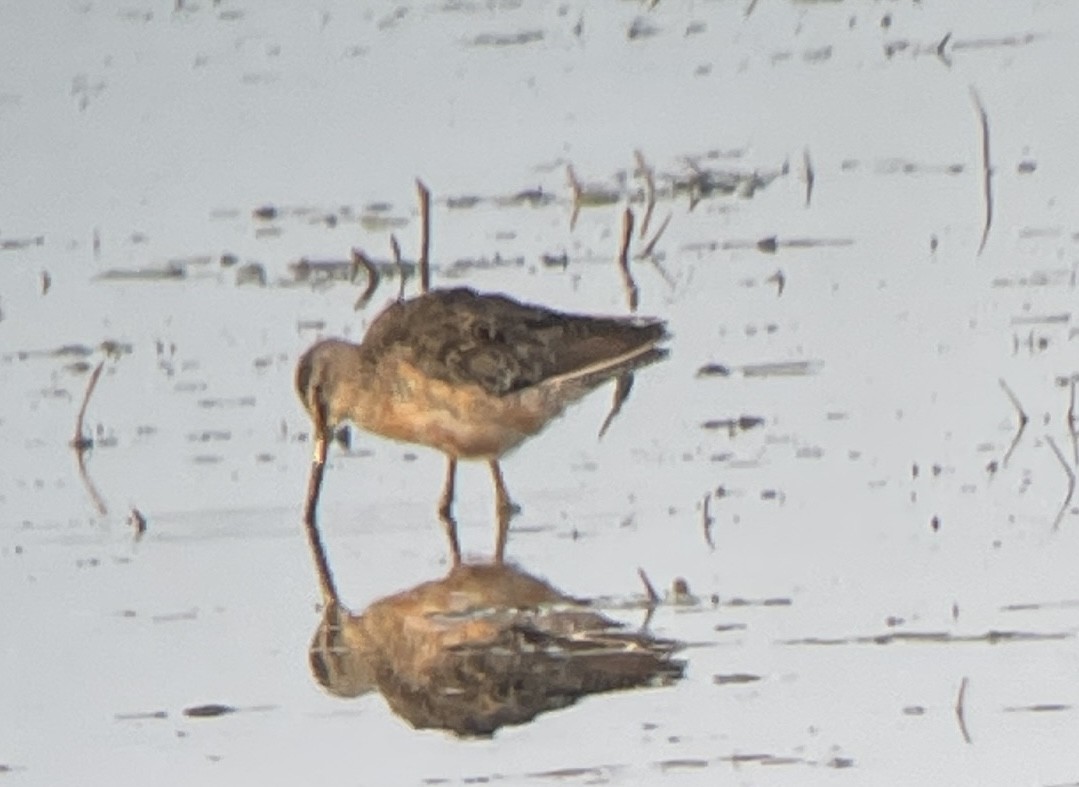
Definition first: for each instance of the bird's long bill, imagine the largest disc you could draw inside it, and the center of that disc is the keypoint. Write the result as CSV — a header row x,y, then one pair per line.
x,y
310,522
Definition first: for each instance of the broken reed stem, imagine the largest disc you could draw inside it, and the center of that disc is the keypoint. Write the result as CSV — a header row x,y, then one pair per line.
x,y
780,281
941,53
645,172
1071,482
395,247
960,710
623,385
694,183
649,589
810,176
648,253
80,442
1071,422
987,183
88,483
623,260
575,187
1023,420
138,522
359,260
707,521
651,245
425,236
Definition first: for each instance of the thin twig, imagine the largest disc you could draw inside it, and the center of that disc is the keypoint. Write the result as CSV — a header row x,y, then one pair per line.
x,y
649,589
651,245
648,254
1023,420
649,191
987,184
694,183
396,248
1071,422
1071,482
425,235
780,281
707,521
960,710
138,521
575,187
623,385
359,260
944,58
623,260
80,442
810,176
91,487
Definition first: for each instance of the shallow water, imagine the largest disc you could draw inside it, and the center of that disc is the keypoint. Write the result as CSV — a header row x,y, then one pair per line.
x,y
834,391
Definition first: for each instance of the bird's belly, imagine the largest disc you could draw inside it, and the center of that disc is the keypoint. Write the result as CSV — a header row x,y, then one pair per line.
x,y
461,421
460,438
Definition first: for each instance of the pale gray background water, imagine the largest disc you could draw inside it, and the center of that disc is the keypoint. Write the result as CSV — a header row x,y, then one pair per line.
x,y
162,128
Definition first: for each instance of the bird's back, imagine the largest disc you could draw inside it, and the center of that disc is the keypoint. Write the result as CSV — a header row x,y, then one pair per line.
x,y
459,336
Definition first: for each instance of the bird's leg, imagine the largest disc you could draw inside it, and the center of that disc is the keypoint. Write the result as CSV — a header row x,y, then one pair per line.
x,y
504,508
445,509
310,517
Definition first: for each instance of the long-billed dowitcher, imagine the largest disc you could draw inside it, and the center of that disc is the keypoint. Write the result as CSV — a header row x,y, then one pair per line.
x,y
470,374
485,646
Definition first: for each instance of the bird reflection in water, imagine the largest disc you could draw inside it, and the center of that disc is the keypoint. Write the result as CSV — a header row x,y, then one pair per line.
x,y
485,646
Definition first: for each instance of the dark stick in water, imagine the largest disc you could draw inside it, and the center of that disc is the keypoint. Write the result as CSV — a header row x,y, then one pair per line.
x,y
1023,420
425,235
987,174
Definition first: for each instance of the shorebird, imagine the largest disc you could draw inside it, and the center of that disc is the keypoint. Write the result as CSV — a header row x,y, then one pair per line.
x,y
472,375
485,646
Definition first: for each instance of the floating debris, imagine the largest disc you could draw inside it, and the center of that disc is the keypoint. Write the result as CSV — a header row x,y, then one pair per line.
x,y
138,521
935,637
466,265
714,370
737,677
222,402
782,369
209,436
252,273
15,244
763,602
208,711
154,714
171,271
464,202
507,39
742,423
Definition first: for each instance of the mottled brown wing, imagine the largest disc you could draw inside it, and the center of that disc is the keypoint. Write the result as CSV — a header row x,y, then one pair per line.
x,y
460,336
